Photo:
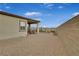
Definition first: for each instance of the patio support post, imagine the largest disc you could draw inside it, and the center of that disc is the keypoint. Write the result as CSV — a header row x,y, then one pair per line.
x,y
37,28
29,28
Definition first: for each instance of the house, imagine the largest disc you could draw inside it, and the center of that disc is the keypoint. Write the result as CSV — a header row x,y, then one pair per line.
x,y
12,25
69,34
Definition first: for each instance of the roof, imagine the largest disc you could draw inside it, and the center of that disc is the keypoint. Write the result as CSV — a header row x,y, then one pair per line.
x,y
30,21
70,20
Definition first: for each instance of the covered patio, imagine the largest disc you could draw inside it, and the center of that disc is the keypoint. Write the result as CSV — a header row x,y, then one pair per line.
x,y
31,22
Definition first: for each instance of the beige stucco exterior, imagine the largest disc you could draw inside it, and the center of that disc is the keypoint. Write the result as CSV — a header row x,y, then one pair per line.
x,y
69,34
9,27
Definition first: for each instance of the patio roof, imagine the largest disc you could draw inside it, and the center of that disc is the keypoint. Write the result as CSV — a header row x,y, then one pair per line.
x,y
30,21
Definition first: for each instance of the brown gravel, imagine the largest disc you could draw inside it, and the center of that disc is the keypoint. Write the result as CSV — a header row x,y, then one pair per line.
x,y
43,44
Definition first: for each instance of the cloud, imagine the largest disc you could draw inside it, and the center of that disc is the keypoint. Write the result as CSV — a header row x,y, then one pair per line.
x,y
7,7
60,7
32,14
47,5
1,10
49,14
75,14
45,26
50,5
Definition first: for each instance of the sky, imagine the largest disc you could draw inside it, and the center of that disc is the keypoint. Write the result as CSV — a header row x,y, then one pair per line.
x,y
50,15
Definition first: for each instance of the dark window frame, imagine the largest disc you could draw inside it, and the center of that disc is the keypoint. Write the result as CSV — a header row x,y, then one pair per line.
x,y
22,28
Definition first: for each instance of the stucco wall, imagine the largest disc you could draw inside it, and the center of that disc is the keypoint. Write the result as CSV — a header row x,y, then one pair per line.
x,y
69,35
9,27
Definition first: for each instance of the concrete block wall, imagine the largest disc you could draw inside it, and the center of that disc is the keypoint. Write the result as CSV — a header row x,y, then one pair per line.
x,y
69,35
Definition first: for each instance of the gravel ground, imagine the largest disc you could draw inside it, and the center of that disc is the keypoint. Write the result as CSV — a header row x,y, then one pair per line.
x,y
43,44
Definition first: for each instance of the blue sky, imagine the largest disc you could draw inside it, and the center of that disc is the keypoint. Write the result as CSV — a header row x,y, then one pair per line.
x,y
50,14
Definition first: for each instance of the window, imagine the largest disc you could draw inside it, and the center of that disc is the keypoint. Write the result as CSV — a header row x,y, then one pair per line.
x,y
22,26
